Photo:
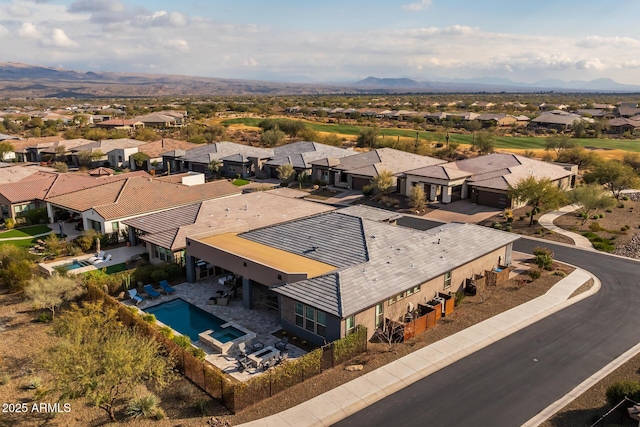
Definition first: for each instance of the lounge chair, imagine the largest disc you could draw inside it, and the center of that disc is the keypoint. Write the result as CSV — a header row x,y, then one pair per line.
x,y
134,296
106,259
282,345
166,288
99,256
151,292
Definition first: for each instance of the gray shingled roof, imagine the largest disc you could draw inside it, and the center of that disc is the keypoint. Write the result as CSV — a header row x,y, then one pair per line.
x,y
301,154
334,239
399,258
219,150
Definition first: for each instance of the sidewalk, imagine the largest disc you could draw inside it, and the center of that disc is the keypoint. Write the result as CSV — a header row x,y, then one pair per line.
x,y
546,221
355,395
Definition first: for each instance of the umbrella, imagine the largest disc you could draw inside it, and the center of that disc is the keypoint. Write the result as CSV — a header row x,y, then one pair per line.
x,y
97,244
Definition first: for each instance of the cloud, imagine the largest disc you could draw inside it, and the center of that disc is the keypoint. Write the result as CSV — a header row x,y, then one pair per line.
x,y
608,42
421,5
58,38
84,6
179,44
29,30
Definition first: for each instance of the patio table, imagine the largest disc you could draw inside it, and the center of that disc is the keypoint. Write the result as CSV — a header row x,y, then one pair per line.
x,y
264,355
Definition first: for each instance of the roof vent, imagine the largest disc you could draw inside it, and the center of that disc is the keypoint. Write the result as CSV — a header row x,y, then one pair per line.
x,y
227,209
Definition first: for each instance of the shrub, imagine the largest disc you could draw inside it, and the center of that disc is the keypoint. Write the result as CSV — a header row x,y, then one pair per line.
x,y
367,190
9,223
527,214
173,271
534,273
508,228
608,210
621,205
44,318
616,392
5,378
143,406
522,217
182,341
149,318
167,332
87,239
185,392
594,226
601,215
457,298
34,383
559,273
197,352
204,407
625,198
497,226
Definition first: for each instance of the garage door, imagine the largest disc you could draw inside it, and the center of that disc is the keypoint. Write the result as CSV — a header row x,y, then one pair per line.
x,y
495,200
359,183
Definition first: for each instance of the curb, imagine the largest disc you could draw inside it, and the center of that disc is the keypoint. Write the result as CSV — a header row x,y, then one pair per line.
x,y
347,399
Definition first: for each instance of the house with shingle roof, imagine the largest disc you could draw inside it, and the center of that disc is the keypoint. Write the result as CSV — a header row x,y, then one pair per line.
x,y
236,159
104,207
484,179
301,155
357,171
329,272
166,232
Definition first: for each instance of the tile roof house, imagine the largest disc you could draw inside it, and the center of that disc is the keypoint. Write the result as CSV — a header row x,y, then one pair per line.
x,y
332,271
496,119
485,179
357,170
104,207
106,147
120,157
163,119
124,124
30,191
166,232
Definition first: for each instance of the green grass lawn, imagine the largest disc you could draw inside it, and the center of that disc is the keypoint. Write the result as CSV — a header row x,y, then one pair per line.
x,y
20,243
502,142
239,182
25,231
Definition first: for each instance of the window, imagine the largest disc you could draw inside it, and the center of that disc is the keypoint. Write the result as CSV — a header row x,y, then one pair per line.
x,y
115,226
416,289
395,298
379,315
350,325
312,320
447,279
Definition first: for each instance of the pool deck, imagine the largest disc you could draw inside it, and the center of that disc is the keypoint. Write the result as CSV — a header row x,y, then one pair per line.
x,y
118,256
261,321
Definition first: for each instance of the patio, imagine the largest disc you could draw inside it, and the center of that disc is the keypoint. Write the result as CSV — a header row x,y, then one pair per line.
x,y
118,256
260,321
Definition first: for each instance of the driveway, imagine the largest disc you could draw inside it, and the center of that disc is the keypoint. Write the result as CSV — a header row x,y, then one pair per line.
x,y
509,382
461,211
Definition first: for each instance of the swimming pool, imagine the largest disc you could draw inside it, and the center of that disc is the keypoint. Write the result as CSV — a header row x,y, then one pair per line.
x,y
190,320
75,264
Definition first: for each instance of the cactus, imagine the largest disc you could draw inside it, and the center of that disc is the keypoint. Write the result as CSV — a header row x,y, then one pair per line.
x,y
127,281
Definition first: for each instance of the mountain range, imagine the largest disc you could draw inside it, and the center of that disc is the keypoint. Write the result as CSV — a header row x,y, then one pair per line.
x,y
24,80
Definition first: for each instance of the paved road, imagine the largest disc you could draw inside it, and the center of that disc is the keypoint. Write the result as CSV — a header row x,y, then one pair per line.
x,y
510,381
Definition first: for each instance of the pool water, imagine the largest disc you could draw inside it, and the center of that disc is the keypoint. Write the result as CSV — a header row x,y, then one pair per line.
x,y
190,320
75,264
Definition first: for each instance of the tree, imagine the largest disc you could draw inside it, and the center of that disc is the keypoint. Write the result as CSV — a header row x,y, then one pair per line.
x,y
577,156
139,159
367,137
60,153
16,266
615,176
60,167
538,194
214,166
417,198
591,198
101,359
215,133
383,182
87,157
52,292
484,143
5,148
272,137
145,134
302,178
579,129
632,160
558,144
285,172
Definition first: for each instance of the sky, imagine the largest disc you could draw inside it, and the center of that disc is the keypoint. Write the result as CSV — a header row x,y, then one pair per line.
x,y
329,40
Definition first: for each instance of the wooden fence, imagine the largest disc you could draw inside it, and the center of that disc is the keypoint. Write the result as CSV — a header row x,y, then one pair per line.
x,y
236,395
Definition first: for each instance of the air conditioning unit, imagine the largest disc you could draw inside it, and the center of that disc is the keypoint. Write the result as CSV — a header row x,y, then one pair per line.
x,y
442,302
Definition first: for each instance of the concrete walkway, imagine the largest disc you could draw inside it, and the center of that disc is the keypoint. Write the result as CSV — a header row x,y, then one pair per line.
x,y
547,220
351,397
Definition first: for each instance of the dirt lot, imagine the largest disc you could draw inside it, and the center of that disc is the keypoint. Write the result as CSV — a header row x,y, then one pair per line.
x,y
520,225
624,213
181,401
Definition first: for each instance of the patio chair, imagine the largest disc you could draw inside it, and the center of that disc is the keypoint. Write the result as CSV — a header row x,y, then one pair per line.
x,y
135,297
166,288
98,256
223,300
151,292
256,346
105,259
282,344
